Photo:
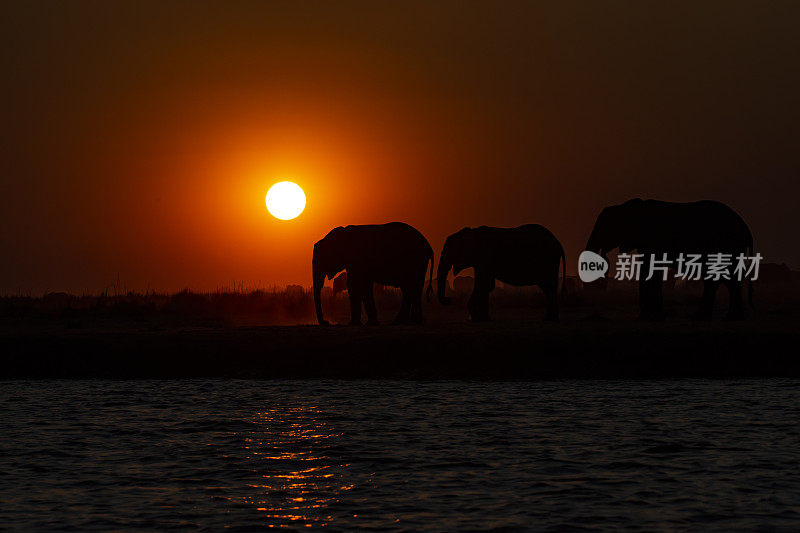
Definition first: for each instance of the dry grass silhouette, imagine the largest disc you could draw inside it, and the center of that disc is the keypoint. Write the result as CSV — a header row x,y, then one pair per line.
x,y
255,334
294,305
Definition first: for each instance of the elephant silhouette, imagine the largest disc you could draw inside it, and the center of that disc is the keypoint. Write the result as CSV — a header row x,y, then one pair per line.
x,y
463,284
770,273
572,284
393,254
654,228
525,255
340,283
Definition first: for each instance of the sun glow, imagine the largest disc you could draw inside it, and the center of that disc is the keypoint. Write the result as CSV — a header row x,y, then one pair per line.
x,y
286,200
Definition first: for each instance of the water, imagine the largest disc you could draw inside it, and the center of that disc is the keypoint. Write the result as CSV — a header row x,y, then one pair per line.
x,y
400,455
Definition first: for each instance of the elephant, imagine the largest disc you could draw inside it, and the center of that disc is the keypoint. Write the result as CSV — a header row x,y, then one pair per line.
x,y
770,273
463,284
340,283
393,254
655,228
525,255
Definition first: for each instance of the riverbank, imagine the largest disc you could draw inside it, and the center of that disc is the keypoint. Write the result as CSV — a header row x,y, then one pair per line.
x,y
531,349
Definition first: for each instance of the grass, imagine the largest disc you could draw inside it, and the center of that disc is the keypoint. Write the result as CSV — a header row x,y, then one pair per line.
x,y
294,305
260,334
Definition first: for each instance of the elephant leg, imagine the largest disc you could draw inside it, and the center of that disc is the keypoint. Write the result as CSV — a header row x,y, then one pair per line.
x,y
369,304
650,298
473,305
550,290
736,309
354,290
707,301
415,315
405,307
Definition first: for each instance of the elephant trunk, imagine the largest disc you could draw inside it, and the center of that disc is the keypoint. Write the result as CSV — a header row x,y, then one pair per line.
x,y
441,279
593,245
319,279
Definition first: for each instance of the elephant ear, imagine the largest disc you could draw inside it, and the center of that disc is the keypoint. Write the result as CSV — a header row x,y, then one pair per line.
x,y
476,245
330,251
456,242
467,240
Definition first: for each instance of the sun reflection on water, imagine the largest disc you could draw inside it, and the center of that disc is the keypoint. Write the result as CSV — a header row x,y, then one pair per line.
x,y
297,479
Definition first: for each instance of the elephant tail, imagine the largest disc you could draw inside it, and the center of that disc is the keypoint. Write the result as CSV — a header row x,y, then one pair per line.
x,y
563,273
430,278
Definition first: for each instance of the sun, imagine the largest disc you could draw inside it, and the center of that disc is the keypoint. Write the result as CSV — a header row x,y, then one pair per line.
x,y
286,200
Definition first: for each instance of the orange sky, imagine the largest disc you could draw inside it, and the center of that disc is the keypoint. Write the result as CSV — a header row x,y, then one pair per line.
x,y
140,139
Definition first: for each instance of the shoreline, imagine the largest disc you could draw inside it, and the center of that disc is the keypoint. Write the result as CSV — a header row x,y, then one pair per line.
x,y
603,349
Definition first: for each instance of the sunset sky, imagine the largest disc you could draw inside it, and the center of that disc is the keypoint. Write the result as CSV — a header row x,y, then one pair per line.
x,y
139,139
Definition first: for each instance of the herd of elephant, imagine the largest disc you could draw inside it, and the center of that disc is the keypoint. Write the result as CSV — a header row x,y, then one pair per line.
x,y
398,255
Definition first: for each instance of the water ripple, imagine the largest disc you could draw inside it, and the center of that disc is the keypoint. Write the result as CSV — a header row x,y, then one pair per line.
x,y
693,454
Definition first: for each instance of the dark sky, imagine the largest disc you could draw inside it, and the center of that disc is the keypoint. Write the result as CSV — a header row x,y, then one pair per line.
x,y
139,139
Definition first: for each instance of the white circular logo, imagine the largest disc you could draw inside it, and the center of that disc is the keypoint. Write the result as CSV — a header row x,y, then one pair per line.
x,y
591,266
